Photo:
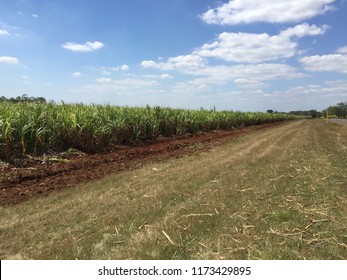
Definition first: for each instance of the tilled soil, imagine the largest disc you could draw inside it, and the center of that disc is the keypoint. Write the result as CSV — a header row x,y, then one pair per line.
x,y
42,176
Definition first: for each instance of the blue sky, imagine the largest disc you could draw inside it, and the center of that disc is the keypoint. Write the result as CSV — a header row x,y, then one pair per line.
x,y
245,55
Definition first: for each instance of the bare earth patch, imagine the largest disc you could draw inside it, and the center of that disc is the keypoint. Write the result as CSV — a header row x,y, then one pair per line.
x,y
33,177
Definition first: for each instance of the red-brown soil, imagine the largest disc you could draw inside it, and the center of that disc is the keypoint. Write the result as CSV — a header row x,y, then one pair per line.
x,y
41,176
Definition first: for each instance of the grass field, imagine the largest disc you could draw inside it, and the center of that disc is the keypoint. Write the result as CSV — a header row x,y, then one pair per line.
x,y
279,193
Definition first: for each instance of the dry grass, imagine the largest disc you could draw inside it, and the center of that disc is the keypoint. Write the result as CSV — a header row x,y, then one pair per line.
x,y
274,194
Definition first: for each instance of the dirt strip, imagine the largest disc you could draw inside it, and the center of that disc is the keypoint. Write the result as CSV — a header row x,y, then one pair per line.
x,y
338,121
42,176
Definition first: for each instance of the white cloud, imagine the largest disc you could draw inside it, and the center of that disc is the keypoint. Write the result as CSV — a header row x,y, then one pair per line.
x,y
76,74
165,76
325,63
312,96
8,59
123,67
247,76
104,80
342,50
272,11
255,48
259,72
4,32
149,64
86,47
302,30
182,62
35,15
249,83
219,74
104,72
162,76
25,77
105,85
193,86
336,88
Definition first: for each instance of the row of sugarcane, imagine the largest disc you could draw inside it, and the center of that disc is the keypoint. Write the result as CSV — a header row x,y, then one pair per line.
x,y
33,128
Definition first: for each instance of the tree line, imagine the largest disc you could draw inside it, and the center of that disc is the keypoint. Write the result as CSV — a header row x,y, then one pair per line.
x,y
339,110
310,113
23,98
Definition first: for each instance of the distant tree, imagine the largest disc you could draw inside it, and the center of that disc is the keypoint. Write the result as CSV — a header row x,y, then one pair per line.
x,y
339,110
315,114
23,98
41,100
310,113
270,111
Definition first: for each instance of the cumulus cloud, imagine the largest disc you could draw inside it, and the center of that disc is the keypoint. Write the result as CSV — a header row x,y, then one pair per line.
x,y
302,30
104,72
86,47
342,50
123,67
162,76
250,74
105,85
243,75
249,83
252,53
182,62
272,11
337,86
166,76
8,59
4,32
255,48
104,80
330,92
76,74
325,63
240,48
149,64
